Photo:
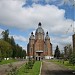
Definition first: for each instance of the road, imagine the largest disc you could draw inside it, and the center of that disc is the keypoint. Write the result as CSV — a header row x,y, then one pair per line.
x,y
4,69
49,68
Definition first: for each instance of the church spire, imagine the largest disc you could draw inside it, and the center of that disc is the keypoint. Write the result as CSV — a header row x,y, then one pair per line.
x,y
39,25
47,33
47,36
32,36
31,33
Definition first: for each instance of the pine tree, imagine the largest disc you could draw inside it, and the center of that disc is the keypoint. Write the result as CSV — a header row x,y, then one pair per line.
x,y
12,50
57,52
5,35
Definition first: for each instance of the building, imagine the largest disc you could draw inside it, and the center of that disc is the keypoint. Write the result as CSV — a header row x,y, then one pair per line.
x,y
73,36
39,46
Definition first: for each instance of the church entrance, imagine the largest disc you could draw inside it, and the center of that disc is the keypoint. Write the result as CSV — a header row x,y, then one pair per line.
x,y
39,55
38,58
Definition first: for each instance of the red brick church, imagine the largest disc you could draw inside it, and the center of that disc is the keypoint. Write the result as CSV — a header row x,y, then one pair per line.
x,y
39,46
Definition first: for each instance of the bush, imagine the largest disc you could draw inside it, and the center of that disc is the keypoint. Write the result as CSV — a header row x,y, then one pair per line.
x,y
0,59
29,65
72,59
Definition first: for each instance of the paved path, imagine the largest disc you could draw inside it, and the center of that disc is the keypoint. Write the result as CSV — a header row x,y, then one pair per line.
x,y
49,68
4,69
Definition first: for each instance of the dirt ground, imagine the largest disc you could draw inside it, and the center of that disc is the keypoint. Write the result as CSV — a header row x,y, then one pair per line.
x,y
49,68
4,69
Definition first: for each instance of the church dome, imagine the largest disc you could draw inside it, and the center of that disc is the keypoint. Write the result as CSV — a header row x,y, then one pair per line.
x,y
39,29
47,36
32,36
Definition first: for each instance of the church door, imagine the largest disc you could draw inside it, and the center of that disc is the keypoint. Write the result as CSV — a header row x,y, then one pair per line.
x,y
39,58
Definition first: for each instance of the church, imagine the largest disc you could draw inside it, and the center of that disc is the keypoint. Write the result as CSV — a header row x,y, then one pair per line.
x,y
39,46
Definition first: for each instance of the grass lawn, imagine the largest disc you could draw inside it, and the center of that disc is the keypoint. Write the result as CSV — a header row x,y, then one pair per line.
x,y
34,71
7,61
65,64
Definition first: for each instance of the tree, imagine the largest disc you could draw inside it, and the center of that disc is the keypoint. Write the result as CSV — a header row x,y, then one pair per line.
x,y
24,53
72,59
62,55
5,35
67,51
17,51
12,42
5,49
57,52
20,52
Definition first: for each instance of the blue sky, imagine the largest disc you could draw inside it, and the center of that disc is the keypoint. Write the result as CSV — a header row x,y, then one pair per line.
x,y
21,17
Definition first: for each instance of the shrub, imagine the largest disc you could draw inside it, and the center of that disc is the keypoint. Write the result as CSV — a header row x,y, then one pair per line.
x,y
72,59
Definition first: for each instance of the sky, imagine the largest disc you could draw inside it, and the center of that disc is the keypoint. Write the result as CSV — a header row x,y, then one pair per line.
x,y
21,17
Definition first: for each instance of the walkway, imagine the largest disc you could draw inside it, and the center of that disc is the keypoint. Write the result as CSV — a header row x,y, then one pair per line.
x,y
49,68
4,69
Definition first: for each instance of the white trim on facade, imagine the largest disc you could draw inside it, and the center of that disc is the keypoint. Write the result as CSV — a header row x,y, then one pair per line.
x,y
49,57
46,57
39,51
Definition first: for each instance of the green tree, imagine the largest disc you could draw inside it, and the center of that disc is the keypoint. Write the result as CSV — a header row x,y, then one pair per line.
x,y
5,49
68,51
17,51
20,52
62,55
72,59
5,35
23,53
57,52
12,42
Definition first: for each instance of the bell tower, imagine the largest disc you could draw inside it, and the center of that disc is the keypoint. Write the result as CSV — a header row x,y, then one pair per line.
x,y
31,45
39,34
48,45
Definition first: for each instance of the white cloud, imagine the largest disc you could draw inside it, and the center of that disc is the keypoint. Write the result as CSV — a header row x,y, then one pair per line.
x,y
61,41
1,30
16,37
24,47
52,18
12,14
20,38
